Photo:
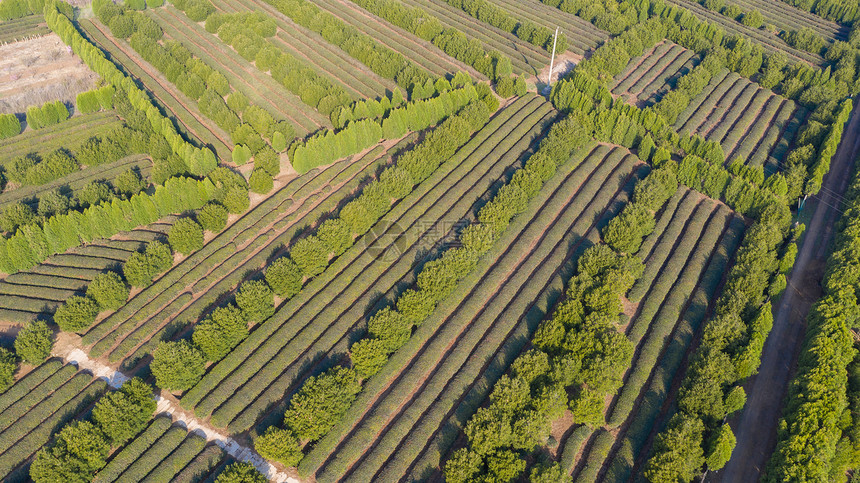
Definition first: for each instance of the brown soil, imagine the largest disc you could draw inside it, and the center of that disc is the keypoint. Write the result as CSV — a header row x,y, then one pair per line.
x,y
564,63
43,69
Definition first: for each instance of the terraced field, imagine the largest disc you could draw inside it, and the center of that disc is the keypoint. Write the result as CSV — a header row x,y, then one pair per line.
x,y
653,74
749,122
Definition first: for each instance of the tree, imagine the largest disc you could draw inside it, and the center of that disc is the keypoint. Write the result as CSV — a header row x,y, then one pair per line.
x,y
185,236
77,314
722,447
212,217
285,277
9,126
256,300
279,445
219,333
241,473
108,290
390,327
122,414
93,193
368,356
34,342
311,255
8,366
678,454
53,203
129,183
335,235
236,200
79,451
463,466
177,365
321,402
260,181
549,474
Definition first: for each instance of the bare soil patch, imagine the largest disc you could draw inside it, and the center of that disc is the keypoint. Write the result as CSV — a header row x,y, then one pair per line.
x,y
43,69
564,63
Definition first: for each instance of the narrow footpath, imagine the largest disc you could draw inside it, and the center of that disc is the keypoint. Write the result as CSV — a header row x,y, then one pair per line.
x,y
115,380
756,427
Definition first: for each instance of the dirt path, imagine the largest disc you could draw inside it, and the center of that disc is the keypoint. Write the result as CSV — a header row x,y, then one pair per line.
x,y
756,427
167,405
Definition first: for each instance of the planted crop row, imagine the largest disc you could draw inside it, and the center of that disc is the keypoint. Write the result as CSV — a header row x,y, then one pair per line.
x,y
520,285
193,124
123,458
422,53
582,36
695,104
329,324
325,58
736,98
639,67
260,88
644,417
50,395
41,425
774,146
754,122
747,104
682,65
65,134
786,17
202,465
28,383
766,39
154,454
194,266
228,275
172,464
659,66
525,57
334,274
23,28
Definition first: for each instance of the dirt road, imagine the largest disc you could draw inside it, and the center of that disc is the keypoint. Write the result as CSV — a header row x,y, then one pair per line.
x,y
756,427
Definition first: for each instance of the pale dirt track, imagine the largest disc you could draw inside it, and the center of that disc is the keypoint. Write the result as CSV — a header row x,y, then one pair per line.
x,y
756,427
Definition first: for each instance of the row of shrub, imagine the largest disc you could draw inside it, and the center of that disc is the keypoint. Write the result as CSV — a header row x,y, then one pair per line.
x,y
817,434
32,244
247,33
322,401
198,161
328,146
845,11
500,18
12,9
579,355
95,100
33,345
750,18
81,448
453,42
729,352
9,126
48,114
378,108
362,47
180,364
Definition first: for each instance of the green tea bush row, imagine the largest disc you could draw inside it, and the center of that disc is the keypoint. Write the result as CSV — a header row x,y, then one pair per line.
x,y
198,161
157,452
814,440
130,452
498,17
311,254
117,417
45,421
36,395
391,327
202,464
708,391
362,47
453,42
170,466
29,382
33,244
540,379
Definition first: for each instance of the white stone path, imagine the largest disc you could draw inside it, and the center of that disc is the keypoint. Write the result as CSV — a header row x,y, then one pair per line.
x,y
115,379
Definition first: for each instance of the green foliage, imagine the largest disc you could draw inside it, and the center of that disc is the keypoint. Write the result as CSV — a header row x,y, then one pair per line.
x,y
284,277
93,193
260,181
34,342
108,290
335,235
177,365
79,451
212,217
129,183
185,236
76,314
8,366
255,298
141,268
318,405
9,126
122,414
241,473
722,448
368,356
219,333
279,445
625,232
679,455
311,255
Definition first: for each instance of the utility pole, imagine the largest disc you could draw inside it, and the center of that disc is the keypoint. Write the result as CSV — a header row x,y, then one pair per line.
x,y
552,59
